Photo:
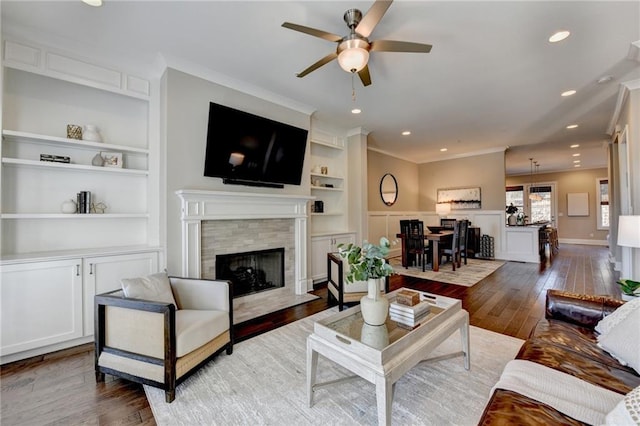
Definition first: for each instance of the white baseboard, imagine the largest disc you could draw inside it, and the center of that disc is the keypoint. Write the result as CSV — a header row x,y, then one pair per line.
x,y
584,242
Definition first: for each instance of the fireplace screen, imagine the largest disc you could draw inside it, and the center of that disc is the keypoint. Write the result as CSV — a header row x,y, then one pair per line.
x,y
252,272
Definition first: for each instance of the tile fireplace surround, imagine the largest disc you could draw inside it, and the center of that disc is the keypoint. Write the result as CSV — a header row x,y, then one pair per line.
x,y
200,206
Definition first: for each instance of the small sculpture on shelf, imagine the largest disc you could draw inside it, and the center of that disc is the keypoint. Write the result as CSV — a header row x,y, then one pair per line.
x,y
90,133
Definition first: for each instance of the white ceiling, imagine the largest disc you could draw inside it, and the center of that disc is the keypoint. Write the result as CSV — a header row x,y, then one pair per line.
x,y
491,81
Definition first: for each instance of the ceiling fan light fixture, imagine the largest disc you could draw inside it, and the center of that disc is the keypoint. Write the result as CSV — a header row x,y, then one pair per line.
x,y
353,55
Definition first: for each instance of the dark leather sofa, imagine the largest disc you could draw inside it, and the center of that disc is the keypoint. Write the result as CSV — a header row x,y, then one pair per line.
x,y
566,341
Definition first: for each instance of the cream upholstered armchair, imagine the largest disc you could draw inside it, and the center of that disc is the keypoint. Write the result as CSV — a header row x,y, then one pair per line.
x,y
159,329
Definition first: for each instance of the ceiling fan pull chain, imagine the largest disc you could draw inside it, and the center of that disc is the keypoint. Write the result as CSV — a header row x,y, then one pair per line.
x,y
353,87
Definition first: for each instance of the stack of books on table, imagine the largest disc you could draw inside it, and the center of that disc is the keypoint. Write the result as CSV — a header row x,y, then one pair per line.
x,y
408,316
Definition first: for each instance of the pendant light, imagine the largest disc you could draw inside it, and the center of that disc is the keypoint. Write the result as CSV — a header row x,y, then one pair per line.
x,y
533,196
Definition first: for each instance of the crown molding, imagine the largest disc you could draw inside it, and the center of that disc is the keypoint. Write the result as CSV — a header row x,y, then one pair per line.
x,y
623,93
205,73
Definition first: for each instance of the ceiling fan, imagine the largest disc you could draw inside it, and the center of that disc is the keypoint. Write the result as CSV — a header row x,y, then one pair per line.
x,y
353,49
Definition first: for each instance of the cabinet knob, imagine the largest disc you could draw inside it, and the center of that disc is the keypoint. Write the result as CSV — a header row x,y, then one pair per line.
x,y
77,270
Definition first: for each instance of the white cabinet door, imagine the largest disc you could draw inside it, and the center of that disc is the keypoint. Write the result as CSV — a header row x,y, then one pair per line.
x,y
320,246
41,304
343,239
103,274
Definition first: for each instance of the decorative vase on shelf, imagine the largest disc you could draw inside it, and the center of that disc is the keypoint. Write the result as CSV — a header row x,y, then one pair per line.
x,y
90,133
512,219
69,206
374,306
98,161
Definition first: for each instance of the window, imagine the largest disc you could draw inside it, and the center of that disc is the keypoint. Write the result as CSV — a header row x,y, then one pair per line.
x,y
602,192
541,210
515,195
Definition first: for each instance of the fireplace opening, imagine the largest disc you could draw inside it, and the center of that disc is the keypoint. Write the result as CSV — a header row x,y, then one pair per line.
x,y
253,271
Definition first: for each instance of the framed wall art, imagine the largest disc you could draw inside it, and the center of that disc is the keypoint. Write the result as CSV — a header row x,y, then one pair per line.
x,y
461,198
578,204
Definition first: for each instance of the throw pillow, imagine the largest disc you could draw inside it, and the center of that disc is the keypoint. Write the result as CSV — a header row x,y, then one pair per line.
x,y
627,411
608,322
623,340
156,288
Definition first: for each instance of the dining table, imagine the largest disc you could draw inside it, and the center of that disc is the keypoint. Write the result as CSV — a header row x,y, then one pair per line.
x,y
434,239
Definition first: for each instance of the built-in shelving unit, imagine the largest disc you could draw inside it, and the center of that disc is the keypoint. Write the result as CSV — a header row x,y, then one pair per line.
x,y
51,261
328,182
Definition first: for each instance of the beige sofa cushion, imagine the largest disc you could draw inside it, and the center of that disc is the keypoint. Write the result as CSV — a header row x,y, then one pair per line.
x,y
195,328
154,287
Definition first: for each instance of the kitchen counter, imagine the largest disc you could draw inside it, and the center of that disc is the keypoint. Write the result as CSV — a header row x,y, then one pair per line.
x,y
521,243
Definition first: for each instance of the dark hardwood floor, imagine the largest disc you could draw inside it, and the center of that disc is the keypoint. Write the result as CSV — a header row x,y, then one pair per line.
x,y
60,388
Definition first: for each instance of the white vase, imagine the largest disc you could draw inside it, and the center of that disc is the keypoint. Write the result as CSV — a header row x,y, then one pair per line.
x,y
90,133
374,306
628,297
376,336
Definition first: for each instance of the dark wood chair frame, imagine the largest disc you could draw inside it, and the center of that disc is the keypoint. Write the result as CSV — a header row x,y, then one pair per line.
x,y
414,243
463,239
453,251
343,298
117,299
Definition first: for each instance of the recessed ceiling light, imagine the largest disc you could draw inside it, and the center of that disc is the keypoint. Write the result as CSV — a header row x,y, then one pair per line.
x,y
576,155
575,145
406,133
605,79
576,161
576,165
356,111
568,93
572,126
95,3
443,149
559,36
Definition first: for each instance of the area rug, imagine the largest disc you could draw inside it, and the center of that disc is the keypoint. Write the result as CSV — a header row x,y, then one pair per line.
x,y
467,275
264,383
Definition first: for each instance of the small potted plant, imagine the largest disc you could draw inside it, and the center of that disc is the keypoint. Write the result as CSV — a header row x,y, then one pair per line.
x,y
368,263
629,288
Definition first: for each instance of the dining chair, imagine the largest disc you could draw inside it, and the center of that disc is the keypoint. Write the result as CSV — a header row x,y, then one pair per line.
x,y
415,247
452,251
447,223
462,239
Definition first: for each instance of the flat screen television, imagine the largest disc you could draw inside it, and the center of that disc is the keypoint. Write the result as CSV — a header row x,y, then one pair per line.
x,y
246,149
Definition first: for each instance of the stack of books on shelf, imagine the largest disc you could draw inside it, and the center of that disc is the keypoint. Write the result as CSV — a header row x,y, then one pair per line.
x,y
55,158
407,310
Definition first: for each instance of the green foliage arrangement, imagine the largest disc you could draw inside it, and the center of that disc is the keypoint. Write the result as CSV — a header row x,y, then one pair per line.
x,y
511,209
367,261
630,287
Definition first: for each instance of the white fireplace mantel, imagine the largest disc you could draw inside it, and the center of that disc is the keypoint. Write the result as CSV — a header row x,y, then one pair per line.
x,y
199,205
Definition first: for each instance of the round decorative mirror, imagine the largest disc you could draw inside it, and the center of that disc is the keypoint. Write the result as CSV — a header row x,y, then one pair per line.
x,y
389,189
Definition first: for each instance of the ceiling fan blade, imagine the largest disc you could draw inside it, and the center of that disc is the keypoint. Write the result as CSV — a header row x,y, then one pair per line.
x,y
312,31
372,17
365,77
330,57
399,46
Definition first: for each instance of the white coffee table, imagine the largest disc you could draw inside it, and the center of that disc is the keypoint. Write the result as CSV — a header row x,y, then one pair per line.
x,y
382,355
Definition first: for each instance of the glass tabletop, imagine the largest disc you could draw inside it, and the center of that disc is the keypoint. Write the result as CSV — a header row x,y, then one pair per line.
x,y
348,327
